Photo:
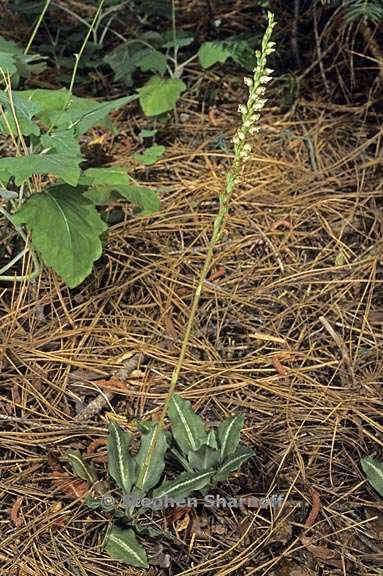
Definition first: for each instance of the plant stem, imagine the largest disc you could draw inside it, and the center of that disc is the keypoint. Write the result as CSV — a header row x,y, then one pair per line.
x,y
37,26
80,53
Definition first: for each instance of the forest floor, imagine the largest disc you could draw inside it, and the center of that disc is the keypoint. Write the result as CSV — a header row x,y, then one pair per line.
x,y
288,332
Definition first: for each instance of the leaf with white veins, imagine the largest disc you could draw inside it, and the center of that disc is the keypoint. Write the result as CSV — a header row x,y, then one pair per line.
x,y
232,463
80,468
151,461
121,544
187,427
120,463
229,435
183,485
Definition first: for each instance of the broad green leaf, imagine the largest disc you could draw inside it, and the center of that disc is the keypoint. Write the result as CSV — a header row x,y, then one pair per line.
x,y
145,198
150,155
7,64
188,428
232,463
84,114
214,52
152,61
204,458
183,38
160,95
62,141
374,472
65,229
105,180
62,110
150,468
146,133
184,485
229,435
121,465
99,196
24,111
112,177
121,544
210,53
23,167
13,60
80,468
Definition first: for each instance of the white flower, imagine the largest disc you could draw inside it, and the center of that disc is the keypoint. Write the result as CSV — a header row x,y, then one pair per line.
x,y
242,108
248,81
235,139
265,79
254,130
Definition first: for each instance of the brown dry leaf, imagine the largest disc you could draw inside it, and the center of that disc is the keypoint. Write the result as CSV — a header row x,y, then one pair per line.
x,y
92,447
14,511
72,487
178,513
322,553
182,524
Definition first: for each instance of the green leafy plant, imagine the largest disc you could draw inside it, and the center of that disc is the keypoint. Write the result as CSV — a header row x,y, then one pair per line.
x,y
16,63
160,53
207,456
61,215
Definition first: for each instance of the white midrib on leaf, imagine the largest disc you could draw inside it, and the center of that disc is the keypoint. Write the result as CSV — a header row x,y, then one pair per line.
x,y
226,437
126,547
186,426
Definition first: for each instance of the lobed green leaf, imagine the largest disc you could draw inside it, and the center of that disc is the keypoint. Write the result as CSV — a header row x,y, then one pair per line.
x,y
160,95
65,229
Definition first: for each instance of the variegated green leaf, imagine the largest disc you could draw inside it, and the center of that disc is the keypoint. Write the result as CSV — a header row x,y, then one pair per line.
x,y
187,427
121,544
229,435
232,463
184,485
204,458
373,469
120,463
151,461
80,468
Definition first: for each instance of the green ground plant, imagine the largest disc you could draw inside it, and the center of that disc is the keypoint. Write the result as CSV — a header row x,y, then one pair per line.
x,y
43,185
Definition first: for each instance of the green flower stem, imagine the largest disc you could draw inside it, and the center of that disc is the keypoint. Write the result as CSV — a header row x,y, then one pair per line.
x,y
37,26
80,53
250,115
